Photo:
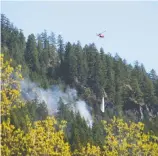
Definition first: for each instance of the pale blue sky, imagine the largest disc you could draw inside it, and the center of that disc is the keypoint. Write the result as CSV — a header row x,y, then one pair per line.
x,y
132,27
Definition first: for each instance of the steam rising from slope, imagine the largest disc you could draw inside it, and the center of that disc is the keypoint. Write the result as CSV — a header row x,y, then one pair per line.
x,y
30,91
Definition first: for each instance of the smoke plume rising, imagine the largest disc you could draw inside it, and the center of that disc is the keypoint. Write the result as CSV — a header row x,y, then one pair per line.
x,y
30,91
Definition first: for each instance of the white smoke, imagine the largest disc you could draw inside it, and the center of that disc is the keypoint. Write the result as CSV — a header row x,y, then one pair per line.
x,y
30,91
82,108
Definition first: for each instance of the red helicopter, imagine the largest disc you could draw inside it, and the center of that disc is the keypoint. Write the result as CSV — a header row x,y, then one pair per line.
x,y
101,34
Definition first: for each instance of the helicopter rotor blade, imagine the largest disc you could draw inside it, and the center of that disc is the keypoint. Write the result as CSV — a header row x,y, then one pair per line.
x,y
103,31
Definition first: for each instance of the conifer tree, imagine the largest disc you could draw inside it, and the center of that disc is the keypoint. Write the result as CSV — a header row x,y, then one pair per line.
x,y
31,53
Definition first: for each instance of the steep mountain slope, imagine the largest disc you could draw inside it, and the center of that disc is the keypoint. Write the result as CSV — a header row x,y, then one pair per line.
x,y
130,92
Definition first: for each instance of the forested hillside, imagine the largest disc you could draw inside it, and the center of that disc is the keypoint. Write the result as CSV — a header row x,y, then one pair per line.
x,y
129,125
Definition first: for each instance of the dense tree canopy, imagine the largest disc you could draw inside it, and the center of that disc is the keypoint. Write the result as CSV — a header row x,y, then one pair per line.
x,y
130,93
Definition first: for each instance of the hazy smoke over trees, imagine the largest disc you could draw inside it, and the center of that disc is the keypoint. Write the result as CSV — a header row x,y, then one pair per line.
x,y
30,91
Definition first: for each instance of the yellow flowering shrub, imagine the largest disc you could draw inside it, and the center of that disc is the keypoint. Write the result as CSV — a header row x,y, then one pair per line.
x,y
44,139
12,140
128,139
89,150
10,86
